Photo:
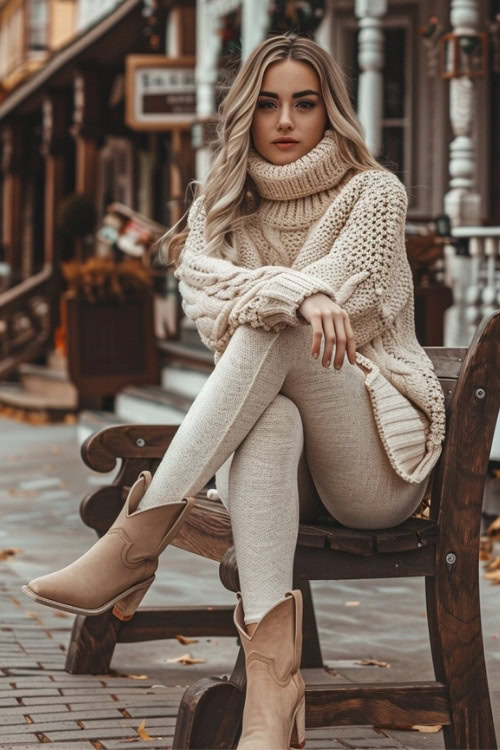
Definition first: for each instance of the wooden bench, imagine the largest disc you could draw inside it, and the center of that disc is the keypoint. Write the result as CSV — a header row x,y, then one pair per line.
x,y
442,548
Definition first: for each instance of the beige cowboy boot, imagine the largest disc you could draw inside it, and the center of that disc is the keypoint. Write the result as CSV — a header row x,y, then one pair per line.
x,y
274,713
119,569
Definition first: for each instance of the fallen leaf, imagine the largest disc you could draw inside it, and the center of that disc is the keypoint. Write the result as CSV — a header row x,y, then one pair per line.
x,y
142,732
493,576
493,565
430,729
494,528
483,555
114,674
13,492
372,663
351,604
411,727
184,640
331,671
31,615
60,614
185,659
9,552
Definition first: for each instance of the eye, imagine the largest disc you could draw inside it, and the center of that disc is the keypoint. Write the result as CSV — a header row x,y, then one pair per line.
x,y
265,104
308,104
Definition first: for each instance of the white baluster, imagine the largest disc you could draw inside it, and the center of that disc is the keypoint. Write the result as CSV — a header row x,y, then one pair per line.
x,y
475,287
371,63
462,203
489,295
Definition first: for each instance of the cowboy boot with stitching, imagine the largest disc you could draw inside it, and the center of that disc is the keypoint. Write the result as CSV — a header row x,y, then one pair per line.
x,y
274,713
119,569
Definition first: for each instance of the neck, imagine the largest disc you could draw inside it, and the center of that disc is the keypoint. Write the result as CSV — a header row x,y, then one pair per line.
x,y
297,194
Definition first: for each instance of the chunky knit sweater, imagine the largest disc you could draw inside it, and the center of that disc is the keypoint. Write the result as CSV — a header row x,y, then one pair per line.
x,y
322,227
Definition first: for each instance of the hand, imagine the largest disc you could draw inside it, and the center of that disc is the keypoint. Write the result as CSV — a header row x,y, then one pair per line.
x,y
330,320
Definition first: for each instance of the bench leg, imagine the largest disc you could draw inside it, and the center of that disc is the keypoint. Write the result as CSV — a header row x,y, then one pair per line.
x,y
454,620
211,711
92,643
311,648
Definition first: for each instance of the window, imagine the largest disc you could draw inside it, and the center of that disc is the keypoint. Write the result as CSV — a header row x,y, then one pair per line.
x,y
397,75
37,25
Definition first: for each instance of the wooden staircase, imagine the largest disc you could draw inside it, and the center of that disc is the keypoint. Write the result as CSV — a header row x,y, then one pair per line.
x,y
27,320
41,387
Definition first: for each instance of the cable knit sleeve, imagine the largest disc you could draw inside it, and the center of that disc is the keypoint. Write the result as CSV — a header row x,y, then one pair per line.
x,y
365,270
217,294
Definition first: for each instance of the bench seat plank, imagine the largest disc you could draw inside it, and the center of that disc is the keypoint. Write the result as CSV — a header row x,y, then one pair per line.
x,y
207,532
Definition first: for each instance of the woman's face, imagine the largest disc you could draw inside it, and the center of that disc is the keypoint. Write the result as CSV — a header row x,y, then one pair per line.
x,y
290,108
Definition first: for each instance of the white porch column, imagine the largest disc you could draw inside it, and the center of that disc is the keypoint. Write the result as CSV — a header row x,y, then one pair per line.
x,y
462,202
207,46
254,24
371,62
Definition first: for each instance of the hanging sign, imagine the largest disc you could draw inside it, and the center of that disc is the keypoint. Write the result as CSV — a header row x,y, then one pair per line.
x,y
160,92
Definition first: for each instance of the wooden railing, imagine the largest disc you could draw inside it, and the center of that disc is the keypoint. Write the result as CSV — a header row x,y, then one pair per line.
x,y
25,320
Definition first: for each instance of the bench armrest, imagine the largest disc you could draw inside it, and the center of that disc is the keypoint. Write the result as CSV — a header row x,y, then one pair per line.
x,y
128,441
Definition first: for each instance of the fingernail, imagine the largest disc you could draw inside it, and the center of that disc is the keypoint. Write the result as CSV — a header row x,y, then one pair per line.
x,y
328,363
315,355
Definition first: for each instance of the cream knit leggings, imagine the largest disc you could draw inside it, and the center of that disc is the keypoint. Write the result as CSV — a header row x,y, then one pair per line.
x,y
286,439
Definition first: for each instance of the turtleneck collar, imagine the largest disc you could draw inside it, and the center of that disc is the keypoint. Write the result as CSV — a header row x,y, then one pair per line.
x,y
316,172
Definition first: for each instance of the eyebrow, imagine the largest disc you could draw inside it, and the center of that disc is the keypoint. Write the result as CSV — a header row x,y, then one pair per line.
x,y
296,95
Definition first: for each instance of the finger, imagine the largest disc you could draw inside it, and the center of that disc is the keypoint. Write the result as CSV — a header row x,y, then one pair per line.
x,y
340,346
351,343
330,338
317,334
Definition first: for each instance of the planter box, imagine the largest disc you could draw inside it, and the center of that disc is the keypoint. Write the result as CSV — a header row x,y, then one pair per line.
x,y
110,345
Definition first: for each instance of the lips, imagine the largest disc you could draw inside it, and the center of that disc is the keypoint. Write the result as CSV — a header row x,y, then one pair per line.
x,y
285,140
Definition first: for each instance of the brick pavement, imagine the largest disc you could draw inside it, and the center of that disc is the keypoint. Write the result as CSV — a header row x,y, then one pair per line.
x,y
42,481
40,703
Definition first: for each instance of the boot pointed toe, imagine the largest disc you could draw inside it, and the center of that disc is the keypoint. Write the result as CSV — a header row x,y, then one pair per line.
x,y
127,553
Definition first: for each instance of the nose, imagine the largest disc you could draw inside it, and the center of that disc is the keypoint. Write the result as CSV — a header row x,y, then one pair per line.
x,y
285,121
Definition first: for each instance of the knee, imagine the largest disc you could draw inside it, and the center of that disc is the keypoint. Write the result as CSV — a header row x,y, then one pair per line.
x,y
282,415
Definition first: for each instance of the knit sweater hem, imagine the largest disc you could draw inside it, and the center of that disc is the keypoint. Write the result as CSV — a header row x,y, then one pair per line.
x,y
402,437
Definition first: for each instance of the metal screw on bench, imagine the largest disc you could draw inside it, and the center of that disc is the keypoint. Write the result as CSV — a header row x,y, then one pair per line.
x,y
140,442
480,393
451,558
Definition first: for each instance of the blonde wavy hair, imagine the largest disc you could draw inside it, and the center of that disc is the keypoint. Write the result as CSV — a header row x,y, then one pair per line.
x,y
229,193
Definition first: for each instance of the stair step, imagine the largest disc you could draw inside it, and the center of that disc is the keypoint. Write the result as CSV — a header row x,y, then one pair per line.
x,y
91,421
183,381
189,334
57,361
179,353
151,405
13,394
45,381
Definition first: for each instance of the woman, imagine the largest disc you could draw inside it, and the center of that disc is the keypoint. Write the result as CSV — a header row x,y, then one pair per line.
x,y
294,269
